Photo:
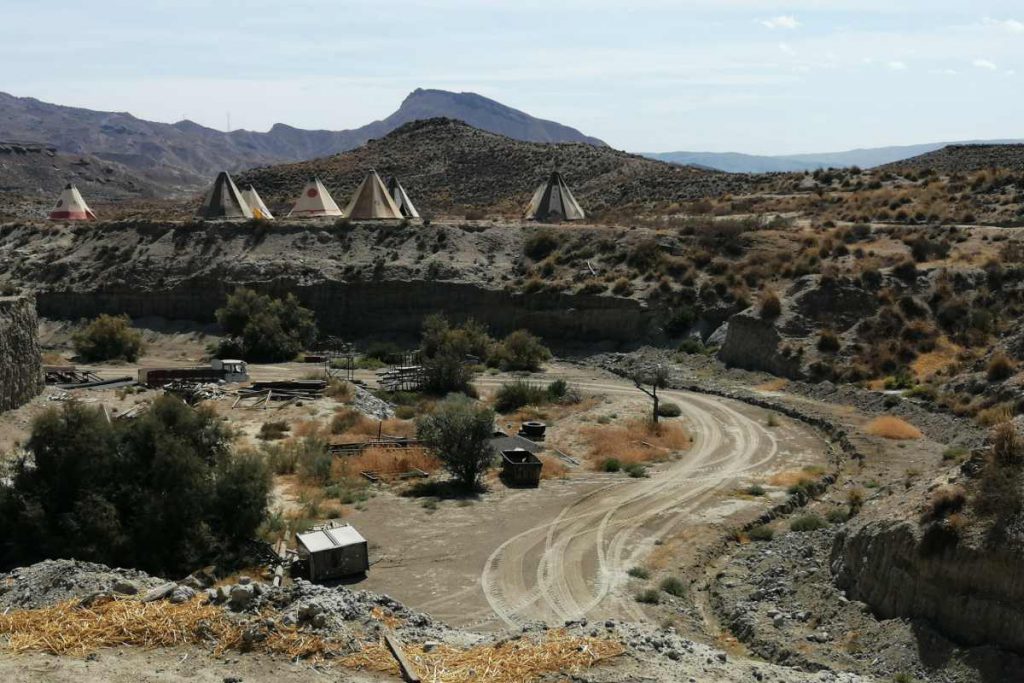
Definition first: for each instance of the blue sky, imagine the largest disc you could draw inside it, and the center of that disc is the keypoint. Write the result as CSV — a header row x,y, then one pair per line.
x,y
644,75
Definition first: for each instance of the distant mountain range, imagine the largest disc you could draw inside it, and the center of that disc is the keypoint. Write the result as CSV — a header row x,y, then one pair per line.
x,y
733,162
186,155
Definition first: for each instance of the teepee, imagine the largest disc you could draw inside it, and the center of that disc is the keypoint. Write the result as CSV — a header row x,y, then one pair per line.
x,y
71,207
402,200
314,202
553,202
372,201
223,200
256,205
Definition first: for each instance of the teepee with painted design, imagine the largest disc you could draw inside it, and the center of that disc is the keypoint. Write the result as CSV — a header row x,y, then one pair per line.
x,y
71,207
256,205
314,202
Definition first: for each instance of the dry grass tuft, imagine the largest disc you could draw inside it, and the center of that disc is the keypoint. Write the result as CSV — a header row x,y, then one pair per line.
x,y
635,442
388,462
889,427
553,468
511,661
773,385
70,628
791,478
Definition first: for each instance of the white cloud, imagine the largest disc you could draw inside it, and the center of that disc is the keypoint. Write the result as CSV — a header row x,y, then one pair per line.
x,y
897,66
985,64
787,22
787,49
1011,25
944,72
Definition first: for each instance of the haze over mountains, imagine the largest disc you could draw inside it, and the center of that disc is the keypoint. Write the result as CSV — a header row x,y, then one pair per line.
x,y
865,158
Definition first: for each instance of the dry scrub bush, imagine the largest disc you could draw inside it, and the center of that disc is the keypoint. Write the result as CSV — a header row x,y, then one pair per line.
x,y
945,501
387,462
1000,368
770,305
637,441
889,427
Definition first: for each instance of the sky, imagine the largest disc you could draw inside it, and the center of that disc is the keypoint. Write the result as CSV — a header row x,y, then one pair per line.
x,y
643,75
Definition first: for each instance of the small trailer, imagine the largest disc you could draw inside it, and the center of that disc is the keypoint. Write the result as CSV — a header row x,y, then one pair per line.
x,y
333,552
520,467
217,371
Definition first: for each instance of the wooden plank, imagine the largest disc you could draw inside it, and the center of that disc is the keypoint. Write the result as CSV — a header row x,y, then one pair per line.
x,y
409,674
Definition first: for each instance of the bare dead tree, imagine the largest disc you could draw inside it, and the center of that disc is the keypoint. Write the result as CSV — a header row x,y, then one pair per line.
x,y
656,378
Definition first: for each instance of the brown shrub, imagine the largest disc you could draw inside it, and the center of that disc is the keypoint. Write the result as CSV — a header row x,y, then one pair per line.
x,y
770,305
889,427
945,501
388,462
1000,368
635,442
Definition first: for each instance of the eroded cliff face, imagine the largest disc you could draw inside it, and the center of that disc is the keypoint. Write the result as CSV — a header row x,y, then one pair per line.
x,y
973,595
20,361
362,280
755,344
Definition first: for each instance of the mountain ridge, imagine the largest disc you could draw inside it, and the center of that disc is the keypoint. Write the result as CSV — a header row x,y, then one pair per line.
x,y
864,157
184,155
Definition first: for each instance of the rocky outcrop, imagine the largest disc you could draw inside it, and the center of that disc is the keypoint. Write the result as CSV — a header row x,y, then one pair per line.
x,y
755,344
20,361
972,595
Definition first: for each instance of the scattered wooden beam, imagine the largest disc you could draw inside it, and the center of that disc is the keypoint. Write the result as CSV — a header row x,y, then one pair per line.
x,y
409,674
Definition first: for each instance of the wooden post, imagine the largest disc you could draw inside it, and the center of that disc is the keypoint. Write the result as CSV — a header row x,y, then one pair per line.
x,y
408,673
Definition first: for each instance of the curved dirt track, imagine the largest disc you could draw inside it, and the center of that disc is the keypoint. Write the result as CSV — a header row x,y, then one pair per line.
x,y
575,565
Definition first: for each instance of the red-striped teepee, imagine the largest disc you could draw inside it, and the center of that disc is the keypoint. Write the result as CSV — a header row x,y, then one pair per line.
x,y
71,207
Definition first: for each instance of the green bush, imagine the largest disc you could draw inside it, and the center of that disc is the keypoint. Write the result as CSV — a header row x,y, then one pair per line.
x,y
611,465
639,573
521,351
162,492
514,395
837,516
755,490
809,522
539,245
761,533
636,470
691,345
459,433
264,329
673,586
108,337
648,597
313,460
669,409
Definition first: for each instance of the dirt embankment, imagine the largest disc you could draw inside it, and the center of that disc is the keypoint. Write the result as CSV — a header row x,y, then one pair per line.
x,y
973,594
361,280
20,371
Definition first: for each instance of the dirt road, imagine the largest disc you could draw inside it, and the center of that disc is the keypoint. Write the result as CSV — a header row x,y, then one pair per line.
x,y
574,566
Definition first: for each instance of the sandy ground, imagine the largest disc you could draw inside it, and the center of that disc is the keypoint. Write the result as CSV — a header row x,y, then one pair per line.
x,y
562,551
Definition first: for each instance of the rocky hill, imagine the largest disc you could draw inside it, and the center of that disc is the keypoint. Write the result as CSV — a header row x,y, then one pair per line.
x,y
185,155
966,159
448,165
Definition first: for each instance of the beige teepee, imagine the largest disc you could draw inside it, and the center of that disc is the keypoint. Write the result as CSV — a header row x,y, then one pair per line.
x,y
314,202
256,205
372,201
553,202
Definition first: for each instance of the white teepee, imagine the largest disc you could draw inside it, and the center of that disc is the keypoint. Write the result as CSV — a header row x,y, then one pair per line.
x,y
71,207
553,202
402,200
314,202
255,202
223,201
